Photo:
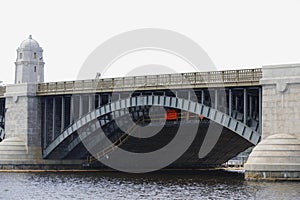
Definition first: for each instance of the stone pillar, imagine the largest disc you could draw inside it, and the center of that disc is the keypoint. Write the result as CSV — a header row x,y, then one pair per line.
x,y
277,156
22,144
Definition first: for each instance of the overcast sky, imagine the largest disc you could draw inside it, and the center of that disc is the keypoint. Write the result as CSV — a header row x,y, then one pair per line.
x,y
233,33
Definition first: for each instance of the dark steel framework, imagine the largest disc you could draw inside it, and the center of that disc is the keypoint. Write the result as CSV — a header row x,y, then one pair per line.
x,y
62,113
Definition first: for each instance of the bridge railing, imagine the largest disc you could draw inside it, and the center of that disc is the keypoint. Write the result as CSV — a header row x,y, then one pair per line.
x,y
228,78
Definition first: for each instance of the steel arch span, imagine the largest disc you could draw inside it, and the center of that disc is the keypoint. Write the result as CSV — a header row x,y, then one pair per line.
x,y
151,100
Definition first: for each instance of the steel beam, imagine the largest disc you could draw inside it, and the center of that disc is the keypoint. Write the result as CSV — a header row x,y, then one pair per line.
x,y
71,109
230,102
99,100
236,102
62,126
45,123
80,106
250,106
216,99
109,98
53,118
90,103
245,105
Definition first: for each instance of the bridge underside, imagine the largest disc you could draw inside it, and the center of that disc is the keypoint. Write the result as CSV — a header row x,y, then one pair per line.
x,y
227,146
85,137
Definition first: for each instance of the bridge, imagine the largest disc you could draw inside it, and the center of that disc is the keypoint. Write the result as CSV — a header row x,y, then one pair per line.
x,y
231,99
74,124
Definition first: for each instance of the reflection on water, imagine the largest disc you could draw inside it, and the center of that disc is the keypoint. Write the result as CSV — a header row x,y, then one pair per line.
x,y
158,185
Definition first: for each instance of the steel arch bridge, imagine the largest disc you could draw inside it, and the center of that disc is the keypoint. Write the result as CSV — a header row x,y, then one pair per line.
x,y
58,145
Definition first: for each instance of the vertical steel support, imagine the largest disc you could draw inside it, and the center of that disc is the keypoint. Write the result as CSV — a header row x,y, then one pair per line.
x,y
53,118
250,106
80,105
90,103
109,98
256,107
189,95
230,102
62,113
245,106
99,100
216,99
45,123
71,109
260,109
236,103
202,96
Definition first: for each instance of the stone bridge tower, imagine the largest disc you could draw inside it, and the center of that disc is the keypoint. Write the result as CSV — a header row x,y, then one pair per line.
x,y
21,148
29,63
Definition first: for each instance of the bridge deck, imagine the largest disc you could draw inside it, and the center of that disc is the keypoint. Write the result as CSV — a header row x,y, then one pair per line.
x,y
228,78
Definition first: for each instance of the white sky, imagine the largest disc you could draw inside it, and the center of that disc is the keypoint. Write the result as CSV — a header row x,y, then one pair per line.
x,y
233,33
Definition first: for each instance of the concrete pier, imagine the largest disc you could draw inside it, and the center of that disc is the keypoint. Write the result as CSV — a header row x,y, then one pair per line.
x,y
277,156
21,148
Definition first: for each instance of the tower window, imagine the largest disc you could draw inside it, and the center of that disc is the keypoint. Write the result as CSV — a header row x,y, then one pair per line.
x,y
34,69
34,55
21,56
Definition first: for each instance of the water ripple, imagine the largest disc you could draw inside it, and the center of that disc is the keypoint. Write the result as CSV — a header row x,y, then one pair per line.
x,y
159,185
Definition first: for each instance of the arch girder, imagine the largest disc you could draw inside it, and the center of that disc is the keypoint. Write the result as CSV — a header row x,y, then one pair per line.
x,y
166,101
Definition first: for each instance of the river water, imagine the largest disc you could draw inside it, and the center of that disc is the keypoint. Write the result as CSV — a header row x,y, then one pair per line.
x,y
159,185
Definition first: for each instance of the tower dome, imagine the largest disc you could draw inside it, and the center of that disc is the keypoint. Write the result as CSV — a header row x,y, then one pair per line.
x,y
29,62
29,43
